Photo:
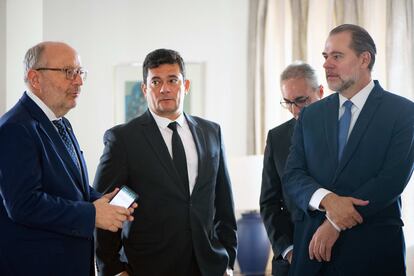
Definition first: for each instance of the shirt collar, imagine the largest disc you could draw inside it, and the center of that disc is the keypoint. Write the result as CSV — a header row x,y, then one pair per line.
x,y
163,122
48,112
359,98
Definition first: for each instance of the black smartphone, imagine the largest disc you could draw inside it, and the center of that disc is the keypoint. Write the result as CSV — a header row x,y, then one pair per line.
x,y
124,198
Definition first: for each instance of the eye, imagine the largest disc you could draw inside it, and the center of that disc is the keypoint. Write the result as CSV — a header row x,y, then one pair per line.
x,y
155,82
173,81
301,100
70,71
337,56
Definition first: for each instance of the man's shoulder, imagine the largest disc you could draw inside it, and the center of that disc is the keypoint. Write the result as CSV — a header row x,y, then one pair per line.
x,y
324,101
16,115
133,124
318,108
398,101
283,128
201,122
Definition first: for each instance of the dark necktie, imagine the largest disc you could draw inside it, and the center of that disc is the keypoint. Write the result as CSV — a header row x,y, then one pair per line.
x,y
67,141
343,128
178,154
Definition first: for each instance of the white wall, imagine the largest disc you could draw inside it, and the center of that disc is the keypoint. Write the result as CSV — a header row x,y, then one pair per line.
x,y
2,56
110,32
24,26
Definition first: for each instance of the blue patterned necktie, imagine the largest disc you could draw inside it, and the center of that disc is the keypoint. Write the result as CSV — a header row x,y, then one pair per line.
x,y
67,141
178,153
343,128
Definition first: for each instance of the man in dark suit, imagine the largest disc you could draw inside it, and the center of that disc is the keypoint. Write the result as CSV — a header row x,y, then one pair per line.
x,y
300,88
48,211
185,222
351,157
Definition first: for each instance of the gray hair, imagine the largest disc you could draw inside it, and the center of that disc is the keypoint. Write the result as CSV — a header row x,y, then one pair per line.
x,y
300,70
32,58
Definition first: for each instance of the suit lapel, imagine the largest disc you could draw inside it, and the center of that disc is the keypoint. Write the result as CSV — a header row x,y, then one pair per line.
x,y
291,129
83,173
200,144
331,126
361,125
46,126
154,138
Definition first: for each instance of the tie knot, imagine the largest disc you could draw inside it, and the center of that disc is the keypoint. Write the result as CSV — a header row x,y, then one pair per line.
x,y
348,104
59,124
173,126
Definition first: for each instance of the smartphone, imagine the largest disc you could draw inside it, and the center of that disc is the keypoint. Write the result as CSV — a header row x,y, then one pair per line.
x,y
124,198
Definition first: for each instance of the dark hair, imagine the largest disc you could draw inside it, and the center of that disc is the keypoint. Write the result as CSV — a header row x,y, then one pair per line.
x,y
300,70
159,57
361,41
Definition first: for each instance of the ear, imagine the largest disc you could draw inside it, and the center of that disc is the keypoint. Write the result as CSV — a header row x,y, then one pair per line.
x,y
144,89
365,59
187,86
320,92
33,79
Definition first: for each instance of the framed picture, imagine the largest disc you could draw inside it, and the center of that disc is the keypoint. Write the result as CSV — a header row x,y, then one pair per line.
x,y
130,101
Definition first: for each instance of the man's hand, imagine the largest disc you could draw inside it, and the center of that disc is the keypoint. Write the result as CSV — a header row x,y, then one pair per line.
x,y
341,210
289,256
110,217
123,273
322,242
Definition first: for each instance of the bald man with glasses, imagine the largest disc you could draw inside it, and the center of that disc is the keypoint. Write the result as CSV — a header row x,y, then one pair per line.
x,y
299,86
48,211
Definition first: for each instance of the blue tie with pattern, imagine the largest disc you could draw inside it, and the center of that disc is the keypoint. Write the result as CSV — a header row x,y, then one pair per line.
x,y
343,128
67,141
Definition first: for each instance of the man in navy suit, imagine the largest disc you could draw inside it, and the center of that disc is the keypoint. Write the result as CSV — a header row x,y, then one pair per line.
x,y
351,157
48,211
185,223
299,86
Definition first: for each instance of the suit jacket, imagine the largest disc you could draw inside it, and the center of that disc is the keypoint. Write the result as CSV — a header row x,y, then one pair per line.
x,y
168,222
376,165
273,206
46,218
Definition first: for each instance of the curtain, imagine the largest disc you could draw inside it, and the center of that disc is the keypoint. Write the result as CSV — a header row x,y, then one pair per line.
x,y
300,10
255,97
270,50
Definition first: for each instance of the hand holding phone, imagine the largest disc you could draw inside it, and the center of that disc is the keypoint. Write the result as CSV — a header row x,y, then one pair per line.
x,y
124,198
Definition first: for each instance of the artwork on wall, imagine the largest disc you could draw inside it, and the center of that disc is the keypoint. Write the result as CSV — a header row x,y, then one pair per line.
x,y
130,102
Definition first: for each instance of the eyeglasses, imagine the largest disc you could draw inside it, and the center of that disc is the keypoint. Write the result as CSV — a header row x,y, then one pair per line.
x,y
299,102
71,73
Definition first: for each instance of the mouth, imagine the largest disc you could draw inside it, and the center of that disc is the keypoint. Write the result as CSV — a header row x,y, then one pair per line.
x,y
167,99
331,76
75,94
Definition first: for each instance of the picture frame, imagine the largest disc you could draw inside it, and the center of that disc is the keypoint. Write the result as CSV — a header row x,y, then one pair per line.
x,y
130,102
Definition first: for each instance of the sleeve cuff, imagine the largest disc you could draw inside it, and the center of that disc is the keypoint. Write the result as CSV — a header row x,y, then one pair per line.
x,y
316,199
286,251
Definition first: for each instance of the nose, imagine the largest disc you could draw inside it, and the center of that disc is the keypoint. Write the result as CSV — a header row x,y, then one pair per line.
x,y
164,88
295,110
327,64
78,79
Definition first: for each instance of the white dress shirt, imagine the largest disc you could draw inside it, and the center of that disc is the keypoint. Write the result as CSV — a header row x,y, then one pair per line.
x,y
188,143
48,112
358,101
